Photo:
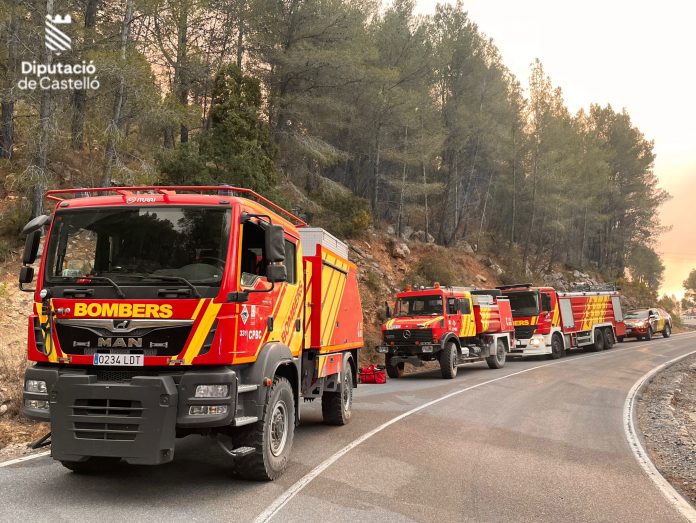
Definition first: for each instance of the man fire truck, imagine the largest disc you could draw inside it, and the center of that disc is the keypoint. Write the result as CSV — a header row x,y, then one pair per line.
x,y
551,322
452,325
166,311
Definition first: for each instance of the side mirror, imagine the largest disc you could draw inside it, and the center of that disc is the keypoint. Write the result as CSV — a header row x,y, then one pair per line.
x,y
31,247
26,275
275,244
276,273
388,311
36,223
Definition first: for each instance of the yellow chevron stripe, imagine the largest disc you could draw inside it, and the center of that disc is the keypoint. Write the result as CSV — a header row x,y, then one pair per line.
x,y
201,332
198,309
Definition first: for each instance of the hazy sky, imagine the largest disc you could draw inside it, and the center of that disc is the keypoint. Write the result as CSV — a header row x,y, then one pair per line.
x,y
635,54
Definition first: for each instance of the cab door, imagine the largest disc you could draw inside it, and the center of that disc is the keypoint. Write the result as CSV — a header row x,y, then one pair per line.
x,y
454,317
468,322
546,314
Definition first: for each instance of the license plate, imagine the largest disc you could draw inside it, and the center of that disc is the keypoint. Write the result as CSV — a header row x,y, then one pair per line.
x,y
124,360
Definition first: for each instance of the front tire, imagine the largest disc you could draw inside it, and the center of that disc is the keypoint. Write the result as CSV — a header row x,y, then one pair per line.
x,y
557,349
393,371
448,361
497,360
337,407
667,332
271,437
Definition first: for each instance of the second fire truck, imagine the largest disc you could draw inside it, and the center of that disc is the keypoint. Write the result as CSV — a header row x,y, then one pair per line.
x,y
451,325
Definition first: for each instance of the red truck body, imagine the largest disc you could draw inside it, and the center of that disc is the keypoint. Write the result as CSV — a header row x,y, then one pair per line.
x,y
550,322
146,293
452,325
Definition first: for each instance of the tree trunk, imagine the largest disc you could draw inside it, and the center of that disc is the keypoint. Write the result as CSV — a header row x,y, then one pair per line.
x,y
399,221
113,130
40,167
7,103
181,72
375,176
79,101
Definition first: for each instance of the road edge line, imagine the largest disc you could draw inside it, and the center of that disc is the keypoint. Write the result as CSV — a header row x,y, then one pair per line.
x,y
305,480
666,489
24,458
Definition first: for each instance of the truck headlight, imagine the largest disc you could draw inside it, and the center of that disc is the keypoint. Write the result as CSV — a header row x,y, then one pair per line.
x,y
206,410
36,386
536,341
427,348
212,391
382,349
36,404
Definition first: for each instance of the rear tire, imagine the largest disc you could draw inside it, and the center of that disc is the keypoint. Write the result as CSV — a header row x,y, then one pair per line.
x,y
599,343
557,349
393,371
667,332
649,335
271,437
608,338
497,360
91,465
336,407
448,361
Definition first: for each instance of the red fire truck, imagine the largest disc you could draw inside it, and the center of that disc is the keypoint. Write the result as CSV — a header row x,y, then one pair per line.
x,y
551,322
166,311
451,325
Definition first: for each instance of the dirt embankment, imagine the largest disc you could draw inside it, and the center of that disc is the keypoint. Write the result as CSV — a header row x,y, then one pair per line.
x,y
667,419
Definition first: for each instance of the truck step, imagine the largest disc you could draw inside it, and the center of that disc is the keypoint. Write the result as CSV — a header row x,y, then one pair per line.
x,y
247,388
240,452
245,420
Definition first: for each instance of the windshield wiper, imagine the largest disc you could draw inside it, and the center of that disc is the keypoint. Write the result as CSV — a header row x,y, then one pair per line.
x,y
111,282
170,278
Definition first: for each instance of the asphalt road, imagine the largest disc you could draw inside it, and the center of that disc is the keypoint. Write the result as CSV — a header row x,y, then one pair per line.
x,y
543,441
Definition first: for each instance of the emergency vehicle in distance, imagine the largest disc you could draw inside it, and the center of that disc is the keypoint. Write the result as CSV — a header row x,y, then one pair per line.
x,y
644,323
166,311
551,322
451,325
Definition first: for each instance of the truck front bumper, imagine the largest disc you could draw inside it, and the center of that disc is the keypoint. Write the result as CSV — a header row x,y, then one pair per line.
x,y
526,348
135,420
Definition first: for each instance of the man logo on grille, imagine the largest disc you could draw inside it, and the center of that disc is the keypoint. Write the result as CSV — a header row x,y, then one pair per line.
x,y
56,40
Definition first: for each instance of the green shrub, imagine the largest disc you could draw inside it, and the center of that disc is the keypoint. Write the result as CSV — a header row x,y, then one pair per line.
x,y
5,254
14,218
343,215
433,267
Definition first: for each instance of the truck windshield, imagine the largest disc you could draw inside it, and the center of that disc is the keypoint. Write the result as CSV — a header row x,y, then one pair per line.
x,y
636,315
524,303
133,244
419,306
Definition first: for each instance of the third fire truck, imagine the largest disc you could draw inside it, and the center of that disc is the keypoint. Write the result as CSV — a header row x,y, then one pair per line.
x,y
551,322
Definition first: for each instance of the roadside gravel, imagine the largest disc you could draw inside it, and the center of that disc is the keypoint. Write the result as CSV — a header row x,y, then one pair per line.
x,y
666,414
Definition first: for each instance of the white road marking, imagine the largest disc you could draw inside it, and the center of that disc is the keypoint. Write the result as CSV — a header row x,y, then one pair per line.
x,y
24,458
296,488
667,490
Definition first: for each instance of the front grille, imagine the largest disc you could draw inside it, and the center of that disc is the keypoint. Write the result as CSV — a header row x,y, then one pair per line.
x,y
124,424
524,332
158,341
408,336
